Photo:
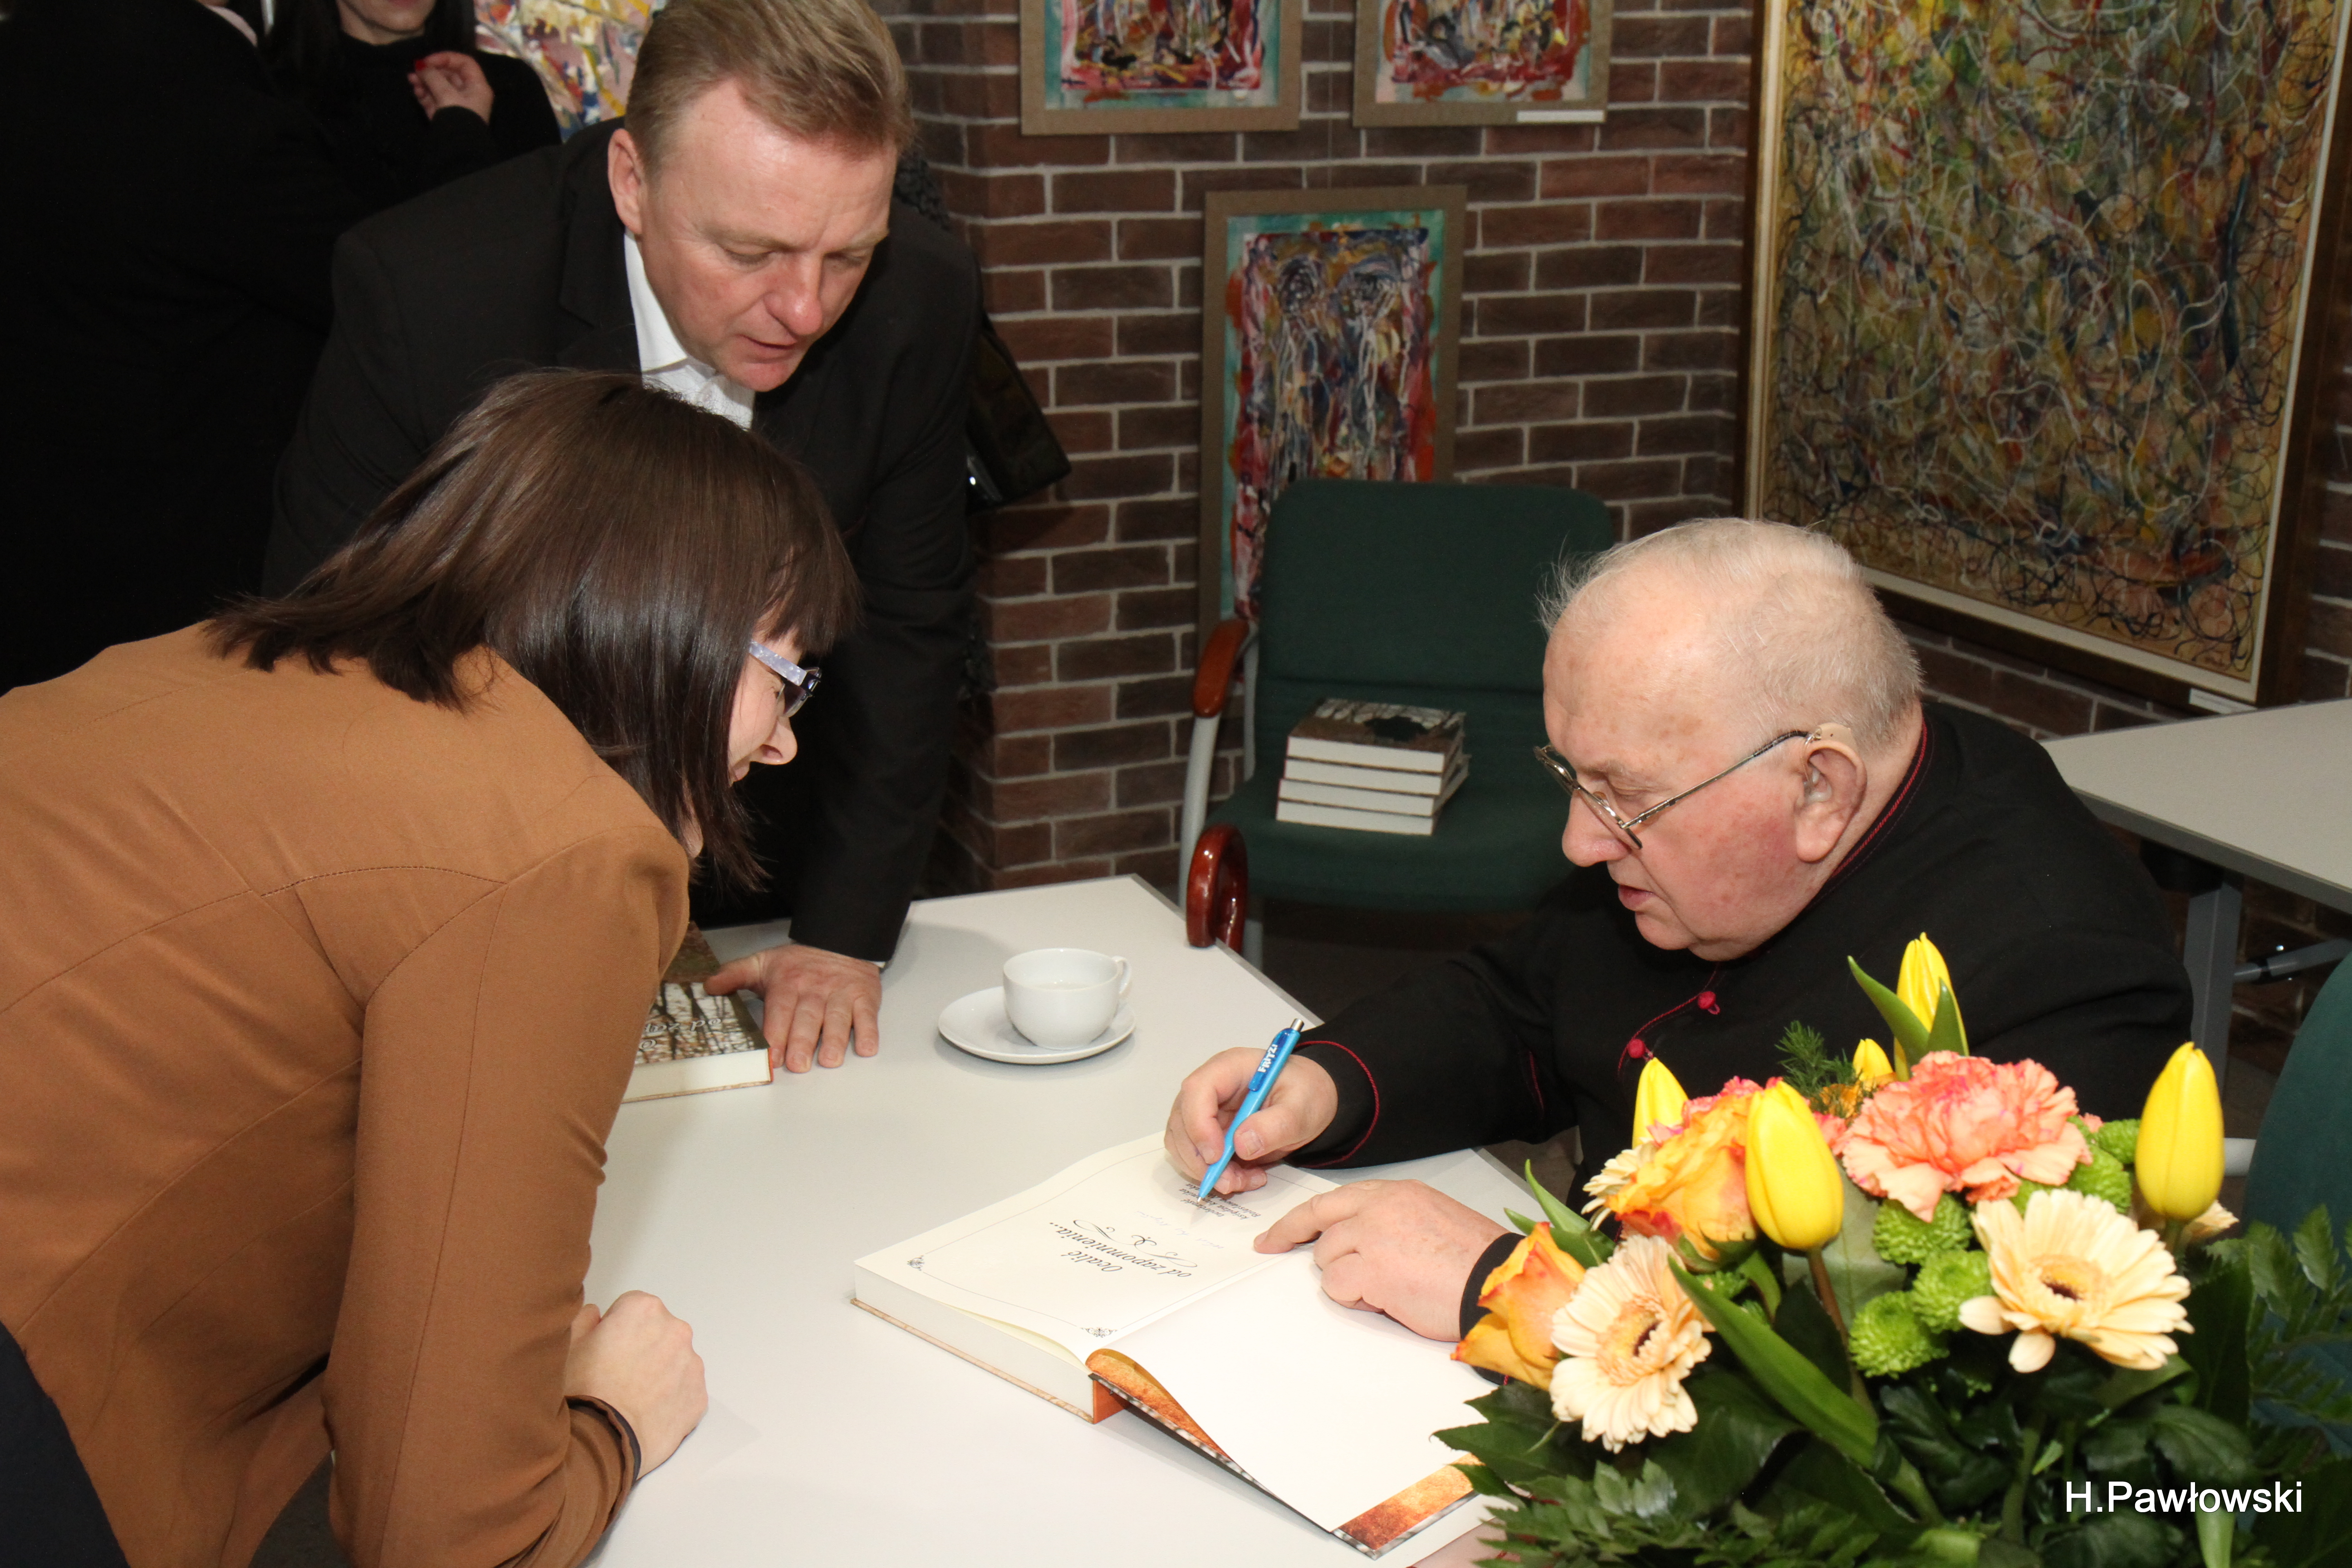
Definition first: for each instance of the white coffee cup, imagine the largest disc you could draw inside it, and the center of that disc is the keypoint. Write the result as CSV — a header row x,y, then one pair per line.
x,y
1063,995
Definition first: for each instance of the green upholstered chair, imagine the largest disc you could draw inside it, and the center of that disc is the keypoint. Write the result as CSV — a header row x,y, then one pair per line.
x,y
2299,1161
1421,594
2300,1158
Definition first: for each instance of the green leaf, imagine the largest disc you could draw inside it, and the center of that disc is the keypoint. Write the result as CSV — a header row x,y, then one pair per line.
x,y
2315,1249
1946,1034
2113,1541
2319,1535
1483,1481
1810,1332
1649,1494
1522,1222
1821,1472
2006,1554
1960,1477
1909,1032
1511,1452
2214,1532
1571,1232
1736,1431
1857,1273
1795,1383
2220,1316
2202,1447
2127,1383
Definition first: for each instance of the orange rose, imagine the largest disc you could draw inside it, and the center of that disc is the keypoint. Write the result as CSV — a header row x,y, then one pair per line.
x,y
1522,1296
1694,1184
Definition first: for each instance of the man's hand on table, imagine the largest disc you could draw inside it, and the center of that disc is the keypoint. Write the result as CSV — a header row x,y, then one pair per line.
x,y
1398,1248
1303,1103
817,1005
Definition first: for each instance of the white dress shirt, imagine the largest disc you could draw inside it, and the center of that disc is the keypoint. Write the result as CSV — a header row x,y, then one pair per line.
x,y
665,363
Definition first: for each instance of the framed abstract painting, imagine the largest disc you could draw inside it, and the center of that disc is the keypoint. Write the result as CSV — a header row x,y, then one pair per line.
x,y
2041,309
1329,320
1481,62
1089,67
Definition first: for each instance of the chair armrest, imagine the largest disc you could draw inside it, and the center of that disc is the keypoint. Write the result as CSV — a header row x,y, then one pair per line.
x,y
1216,891
1213,682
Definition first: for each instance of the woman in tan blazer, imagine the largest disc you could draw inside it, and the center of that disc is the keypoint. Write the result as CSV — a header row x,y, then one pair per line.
x,y
327,930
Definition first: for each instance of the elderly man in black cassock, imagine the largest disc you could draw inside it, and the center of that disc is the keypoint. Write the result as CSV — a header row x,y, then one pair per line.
x,y
1757,793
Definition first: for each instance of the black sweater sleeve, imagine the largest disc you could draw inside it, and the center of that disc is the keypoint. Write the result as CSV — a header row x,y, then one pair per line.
x,y
1458,1056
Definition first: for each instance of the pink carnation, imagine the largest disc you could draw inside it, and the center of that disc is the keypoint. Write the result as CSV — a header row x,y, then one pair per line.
x,y
1963,1124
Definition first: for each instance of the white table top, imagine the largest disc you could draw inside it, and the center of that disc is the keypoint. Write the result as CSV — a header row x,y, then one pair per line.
x,y
2266,795
835,1437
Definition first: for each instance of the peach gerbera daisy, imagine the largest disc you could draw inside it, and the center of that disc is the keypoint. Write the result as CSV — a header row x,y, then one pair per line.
x,y
1627,1338
1963,1124
2071,1264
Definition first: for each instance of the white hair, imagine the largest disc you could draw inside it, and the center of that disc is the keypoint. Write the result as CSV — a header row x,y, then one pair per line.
x,y
1790,610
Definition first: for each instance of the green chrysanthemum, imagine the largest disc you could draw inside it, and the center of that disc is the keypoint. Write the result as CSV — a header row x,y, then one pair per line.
x,y
1900,1237
2104,1178
2120,1139
1887,1337
1945,1281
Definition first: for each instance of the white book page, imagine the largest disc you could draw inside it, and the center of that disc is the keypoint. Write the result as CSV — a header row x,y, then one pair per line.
x,y
1329,1408
1108,1245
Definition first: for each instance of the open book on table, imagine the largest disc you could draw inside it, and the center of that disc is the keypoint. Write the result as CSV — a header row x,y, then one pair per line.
x,y
1109,1285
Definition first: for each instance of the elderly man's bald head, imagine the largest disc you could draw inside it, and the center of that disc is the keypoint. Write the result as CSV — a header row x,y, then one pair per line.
x,y
1773,620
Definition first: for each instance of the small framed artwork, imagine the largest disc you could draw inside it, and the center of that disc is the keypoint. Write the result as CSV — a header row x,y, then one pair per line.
x,y
2069,412
1329,319
1481,62
1090,67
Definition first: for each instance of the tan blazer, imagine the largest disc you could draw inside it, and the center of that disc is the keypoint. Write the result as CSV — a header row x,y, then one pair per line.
x,y
316,1005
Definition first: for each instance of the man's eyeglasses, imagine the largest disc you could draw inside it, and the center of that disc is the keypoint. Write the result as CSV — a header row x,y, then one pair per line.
x,y
1624,825
800,685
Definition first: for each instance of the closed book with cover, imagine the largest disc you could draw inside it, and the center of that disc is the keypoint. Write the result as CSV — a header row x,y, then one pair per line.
x,y
1395,781
694,1042
1396,803
1378,735
1109,1285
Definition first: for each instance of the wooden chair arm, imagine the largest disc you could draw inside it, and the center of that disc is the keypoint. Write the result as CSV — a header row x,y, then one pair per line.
x,y
1216,891
1213,682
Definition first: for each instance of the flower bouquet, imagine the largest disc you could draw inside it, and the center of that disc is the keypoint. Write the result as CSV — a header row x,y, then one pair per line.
x,y
1913,1307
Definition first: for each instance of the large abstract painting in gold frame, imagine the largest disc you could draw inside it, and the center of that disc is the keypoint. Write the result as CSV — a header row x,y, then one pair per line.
x,y
2041,314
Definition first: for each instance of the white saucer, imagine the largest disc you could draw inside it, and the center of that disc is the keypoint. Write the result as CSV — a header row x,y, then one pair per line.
x,y
977,1024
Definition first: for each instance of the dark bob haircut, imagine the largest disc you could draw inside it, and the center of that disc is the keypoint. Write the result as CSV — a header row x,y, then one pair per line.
x,y
616,546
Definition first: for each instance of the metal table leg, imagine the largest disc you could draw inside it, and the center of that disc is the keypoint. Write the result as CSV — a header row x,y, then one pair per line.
x,y
2209,950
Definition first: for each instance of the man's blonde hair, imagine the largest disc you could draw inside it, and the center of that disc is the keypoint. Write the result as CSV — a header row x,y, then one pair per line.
x,y
822,71
1793,617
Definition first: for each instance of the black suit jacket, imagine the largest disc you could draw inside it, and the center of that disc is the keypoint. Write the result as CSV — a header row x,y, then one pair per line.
x,y
164,255
2058,944
521,266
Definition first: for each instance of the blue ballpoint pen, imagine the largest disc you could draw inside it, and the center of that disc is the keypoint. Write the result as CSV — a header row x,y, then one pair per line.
x,y
1261,1084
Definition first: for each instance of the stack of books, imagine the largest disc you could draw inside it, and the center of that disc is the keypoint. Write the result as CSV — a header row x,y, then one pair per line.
x,y
1377,767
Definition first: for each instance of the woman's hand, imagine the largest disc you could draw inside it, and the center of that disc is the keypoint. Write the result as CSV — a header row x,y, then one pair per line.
x,y
451,80
1303,1103
640,1361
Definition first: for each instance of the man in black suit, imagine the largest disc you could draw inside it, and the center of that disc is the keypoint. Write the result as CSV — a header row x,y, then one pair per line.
x,y
735,241
163,299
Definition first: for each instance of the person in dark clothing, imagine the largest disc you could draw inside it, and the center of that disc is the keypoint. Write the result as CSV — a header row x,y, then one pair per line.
x,y
406,101
733,241
163,298
1759,795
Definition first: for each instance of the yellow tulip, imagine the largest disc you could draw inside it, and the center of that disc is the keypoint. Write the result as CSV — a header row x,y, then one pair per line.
x,y
1924,981
1658,1100
2179,1159
1794,1189
1871,1067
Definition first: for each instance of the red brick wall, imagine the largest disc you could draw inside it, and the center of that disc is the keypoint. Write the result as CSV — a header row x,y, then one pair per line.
x,y
1599,331
1601,298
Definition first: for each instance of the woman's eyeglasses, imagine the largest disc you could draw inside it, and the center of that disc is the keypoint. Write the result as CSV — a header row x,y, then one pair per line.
x,y
800,685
